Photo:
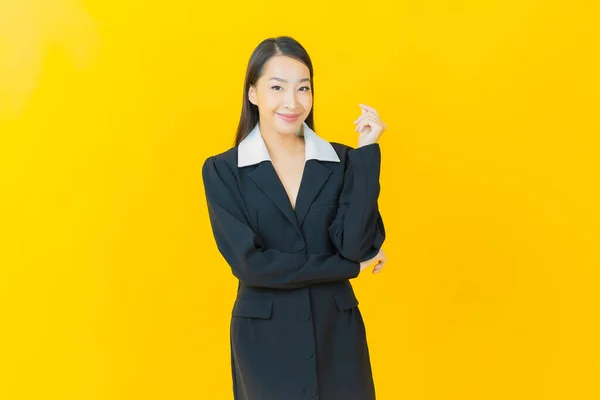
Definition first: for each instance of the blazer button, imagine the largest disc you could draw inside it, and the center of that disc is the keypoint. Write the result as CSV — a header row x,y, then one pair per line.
x,y
308,354
299,245
305,316
310,392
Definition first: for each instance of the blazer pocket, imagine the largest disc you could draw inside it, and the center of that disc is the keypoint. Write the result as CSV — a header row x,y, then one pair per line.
x,y
253,307
346,300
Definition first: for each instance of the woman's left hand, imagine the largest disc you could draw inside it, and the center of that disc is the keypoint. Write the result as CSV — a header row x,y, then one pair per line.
x,y
369,125
380,258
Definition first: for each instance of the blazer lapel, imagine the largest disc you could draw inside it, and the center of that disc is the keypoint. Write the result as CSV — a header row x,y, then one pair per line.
x,y
313,179
266,178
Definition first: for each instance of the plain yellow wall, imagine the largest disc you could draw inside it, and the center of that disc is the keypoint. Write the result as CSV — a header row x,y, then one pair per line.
x,y
111,286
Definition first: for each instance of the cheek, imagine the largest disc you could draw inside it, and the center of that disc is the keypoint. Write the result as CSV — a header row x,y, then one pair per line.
x,y
306,101
271,101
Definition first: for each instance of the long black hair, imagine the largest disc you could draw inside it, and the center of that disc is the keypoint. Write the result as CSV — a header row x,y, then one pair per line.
x,y
282,45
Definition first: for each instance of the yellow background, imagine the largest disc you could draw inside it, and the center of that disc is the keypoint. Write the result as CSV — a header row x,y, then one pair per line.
x,y
111,286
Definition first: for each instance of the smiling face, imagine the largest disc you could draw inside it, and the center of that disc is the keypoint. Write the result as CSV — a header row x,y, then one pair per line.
x,y
283,95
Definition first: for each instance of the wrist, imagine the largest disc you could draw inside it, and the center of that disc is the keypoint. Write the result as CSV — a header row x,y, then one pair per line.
x,y
364,149
364,144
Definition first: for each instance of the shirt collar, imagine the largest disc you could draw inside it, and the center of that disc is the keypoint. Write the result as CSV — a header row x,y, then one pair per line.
x,y
253,150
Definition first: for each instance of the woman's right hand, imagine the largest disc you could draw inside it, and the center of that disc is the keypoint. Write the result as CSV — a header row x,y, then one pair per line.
x,y
380,259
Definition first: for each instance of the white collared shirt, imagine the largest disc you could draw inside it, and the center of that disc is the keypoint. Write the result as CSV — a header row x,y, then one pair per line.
x,y
253,150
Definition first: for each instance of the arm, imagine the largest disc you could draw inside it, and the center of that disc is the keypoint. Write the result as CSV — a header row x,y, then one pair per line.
x,y
241,247
357,230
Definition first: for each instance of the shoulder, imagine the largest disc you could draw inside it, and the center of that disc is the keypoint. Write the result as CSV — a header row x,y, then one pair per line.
x,y
370,154
220,166
228,157
341,149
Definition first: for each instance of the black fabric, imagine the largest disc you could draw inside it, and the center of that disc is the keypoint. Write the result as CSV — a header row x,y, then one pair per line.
x,y
296,329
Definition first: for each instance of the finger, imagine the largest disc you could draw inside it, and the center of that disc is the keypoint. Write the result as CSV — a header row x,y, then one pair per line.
x,y
373,111
369,114
367,121
375,268
369,108
362,114
357,120
361,125
378,267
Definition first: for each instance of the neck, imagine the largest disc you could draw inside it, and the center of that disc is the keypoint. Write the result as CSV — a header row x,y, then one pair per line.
x,y
282,145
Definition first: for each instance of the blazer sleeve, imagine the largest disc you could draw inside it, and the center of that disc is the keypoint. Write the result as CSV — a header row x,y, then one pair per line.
x,y
357,230
242,248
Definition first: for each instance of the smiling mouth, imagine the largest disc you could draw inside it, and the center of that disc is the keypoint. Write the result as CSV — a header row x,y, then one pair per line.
x,y
289,117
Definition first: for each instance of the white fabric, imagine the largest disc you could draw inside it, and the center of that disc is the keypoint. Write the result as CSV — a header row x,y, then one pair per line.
x,y
253,150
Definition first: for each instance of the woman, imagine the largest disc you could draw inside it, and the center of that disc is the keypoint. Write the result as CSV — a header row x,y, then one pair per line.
x,y
295,217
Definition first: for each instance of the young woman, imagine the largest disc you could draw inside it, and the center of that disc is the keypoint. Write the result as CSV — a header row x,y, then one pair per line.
x,y
295,217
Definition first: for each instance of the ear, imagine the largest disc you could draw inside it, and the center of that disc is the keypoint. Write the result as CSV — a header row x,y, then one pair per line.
x,y
252,95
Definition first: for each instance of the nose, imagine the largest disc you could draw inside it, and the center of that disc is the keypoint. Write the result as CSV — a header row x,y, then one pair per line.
x,y
290,99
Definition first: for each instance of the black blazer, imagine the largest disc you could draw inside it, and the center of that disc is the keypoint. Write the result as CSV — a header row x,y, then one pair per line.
x,y
296,331
269,244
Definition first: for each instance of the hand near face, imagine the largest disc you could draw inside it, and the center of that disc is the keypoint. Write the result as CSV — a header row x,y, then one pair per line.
x,y
369,126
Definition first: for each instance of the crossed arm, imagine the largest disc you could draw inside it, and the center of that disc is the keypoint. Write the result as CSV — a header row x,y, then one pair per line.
x,y
357,230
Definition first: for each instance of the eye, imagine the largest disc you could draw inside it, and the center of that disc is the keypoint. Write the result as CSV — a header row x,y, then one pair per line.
x,y
305,87
276,86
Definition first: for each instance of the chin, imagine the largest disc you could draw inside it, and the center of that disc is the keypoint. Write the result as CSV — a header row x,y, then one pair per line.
x,y
284,128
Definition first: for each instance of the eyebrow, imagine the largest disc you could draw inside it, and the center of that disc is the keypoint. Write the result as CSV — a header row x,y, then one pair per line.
x,y
283,80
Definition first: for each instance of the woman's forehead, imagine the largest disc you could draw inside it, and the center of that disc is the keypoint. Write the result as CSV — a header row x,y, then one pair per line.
x,y
285,68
